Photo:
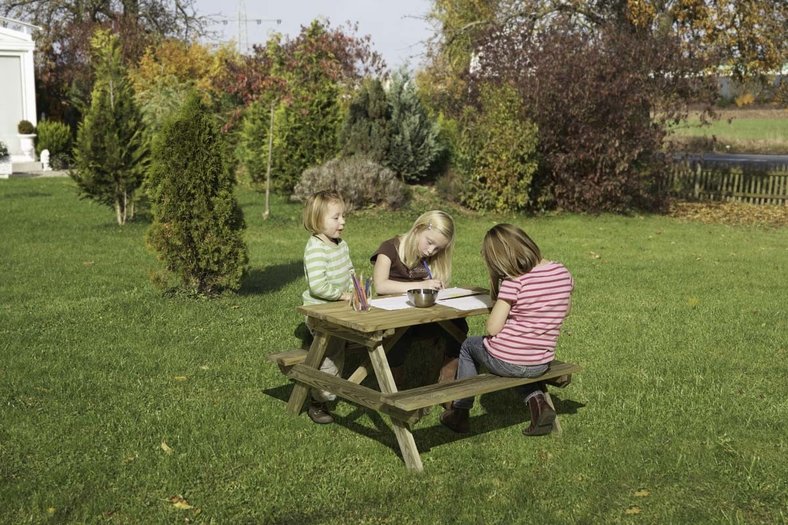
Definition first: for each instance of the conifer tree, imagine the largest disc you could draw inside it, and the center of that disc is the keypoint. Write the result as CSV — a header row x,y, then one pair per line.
x,y
253,141
415,146
109,156
198,225
366,129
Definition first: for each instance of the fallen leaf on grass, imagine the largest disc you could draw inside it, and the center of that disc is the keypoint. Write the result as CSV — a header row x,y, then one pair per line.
x,y
773,215
179,502
642,493
634,509
166,448
87,264
180,378
693,301
595,255
51,510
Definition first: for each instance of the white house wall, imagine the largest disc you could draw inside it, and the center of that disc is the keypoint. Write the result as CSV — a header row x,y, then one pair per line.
x,y
17,84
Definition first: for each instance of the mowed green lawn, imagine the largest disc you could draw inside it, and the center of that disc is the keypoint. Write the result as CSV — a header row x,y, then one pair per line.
x,y
119,405
739,129
743,131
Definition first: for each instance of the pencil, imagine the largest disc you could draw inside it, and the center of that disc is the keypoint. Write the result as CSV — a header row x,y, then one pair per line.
x,y
427,267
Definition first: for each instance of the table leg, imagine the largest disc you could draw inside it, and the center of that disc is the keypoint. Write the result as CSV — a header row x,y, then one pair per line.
x,y
407,444
313,359
363,369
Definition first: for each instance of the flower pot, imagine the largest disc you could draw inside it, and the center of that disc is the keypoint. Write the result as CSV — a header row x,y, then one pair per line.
x,y
28,146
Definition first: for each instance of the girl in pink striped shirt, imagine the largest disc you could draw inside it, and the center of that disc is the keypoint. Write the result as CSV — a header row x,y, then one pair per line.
x,y
532,297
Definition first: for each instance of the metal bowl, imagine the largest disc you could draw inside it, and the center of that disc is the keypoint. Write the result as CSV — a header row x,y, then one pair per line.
x,y
422,297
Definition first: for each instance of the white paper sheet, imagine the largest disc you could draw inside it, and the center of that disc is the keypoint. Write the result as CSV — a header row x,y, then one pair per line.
x,y
449,293
396,302
472,302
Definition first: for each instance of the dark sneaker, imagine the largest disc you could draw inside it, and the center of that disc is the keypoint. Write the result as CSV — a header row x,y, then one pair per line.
x,y
318,412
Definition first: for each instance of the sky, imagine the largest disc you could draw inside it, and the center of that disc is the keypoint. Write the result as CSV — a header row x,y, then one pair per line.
x,y
397,27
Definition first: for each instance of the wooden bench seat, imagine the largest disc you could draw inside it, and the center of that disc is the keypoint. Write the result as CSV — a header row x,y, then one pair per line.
x,y
559,374
286,360
410,405
289,358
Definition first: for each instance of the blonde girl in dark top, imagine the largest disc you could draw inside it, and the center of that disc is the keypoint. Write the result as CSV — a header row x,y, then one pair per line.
x,y
421,258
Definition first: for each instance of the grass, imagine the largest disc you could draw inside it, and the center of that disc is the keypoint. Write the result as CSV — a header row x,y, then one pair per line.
x,y
115,401
737,131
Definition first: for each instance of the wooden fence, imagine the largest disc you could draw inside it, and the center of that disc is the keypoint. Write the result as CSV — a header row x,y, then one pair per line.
x,y
694,180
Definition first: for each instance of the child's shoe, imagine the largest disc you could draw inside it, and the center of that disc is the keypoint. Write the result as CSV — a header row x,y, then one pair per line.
x,y
457,419
318,412
542,416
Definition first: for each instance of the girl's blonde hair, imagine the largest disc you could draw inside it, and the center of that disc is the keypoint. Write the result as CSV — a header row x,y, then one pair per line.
x,y
508,253
408,250
316,208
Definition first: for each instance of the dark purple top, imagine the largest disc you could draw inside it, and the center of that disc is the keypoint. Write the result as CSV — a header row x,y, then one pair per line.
x,y
398,271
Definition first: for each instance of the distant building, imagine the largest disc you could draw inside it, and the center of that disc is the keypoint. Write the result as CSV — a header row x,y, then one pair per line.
x,y
17,88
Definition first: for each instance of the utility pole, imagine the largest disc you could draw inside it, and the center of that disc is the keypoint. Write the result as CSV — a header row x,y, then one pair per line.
x,y
243,23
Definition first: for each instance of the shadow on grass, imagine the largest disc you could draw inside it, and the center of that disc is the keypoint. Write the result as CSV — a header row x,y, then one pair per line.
x,y
503,409
271,278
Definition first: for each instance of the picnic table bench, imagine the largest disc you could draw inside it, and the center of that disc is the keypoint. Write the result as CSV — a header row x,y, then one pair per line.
x,y
377,330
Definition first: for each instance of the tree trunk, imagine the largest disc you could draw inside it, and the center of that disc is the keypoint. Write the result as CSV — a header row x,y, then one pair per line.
x,y
267,210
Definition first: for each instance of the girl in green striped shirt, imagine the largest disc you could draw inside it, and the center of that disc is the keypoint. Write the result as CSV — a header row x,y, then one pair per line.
x,y
327,268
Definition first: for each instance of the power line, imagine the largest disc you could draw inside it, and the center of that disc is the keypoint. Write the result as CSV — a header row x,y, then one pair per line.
x,y
242,22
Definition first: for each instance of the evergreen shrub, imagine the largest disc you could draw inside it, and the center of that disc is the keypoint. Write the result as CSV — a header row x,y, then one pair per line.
x,y
197,228
361,181
55,137
496,153
415,149
3,150
366,129
307,133
110,155
252,150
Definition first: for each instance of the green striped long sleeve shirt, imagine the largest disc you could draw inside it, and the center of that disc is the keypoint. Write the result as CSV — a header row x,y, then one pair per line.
x,y
327,270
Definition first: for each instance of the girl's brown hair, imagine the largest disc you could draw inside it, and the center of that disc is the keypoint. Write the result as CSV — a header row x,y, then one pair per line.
x,y
316,208
508,253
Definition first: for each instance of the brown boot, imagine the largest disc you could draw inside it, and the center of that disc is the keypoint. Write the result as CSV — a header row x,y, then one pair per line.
x,y
542,416
448,373
457,420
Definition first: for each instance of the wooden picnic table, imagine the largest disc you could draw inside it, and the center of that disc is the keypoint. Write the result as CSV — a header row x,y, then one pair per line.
x,y
377,330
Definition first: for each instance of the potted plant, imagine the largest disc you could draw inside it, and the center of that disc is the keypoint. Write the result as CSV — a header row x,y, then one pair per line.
x,y
5,161
27,136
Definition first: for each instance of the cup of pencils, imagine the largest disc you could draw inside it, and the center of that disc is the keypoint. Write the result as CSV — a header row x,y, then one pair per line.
x,y
362,290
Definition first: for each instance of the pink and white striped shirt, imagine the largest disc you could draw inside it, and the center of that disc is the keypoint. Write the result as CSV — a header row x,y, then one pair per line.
x,y
540,302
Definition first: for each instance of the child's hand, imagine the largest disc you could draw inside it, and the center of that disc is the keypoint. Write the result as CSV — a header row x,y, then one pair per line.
x,y
435,284
347,296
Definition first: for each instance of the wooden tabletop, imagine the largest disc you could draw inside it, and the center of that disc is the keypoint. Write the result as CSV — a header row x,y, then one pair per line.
x,y
376,319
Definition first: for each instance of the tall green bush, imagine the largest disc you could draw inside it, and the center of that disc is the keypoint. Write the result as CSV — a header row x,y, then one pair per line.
x,y
252,150
366,130
197,228
415,146
55,137
110,154
496,155
307,132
